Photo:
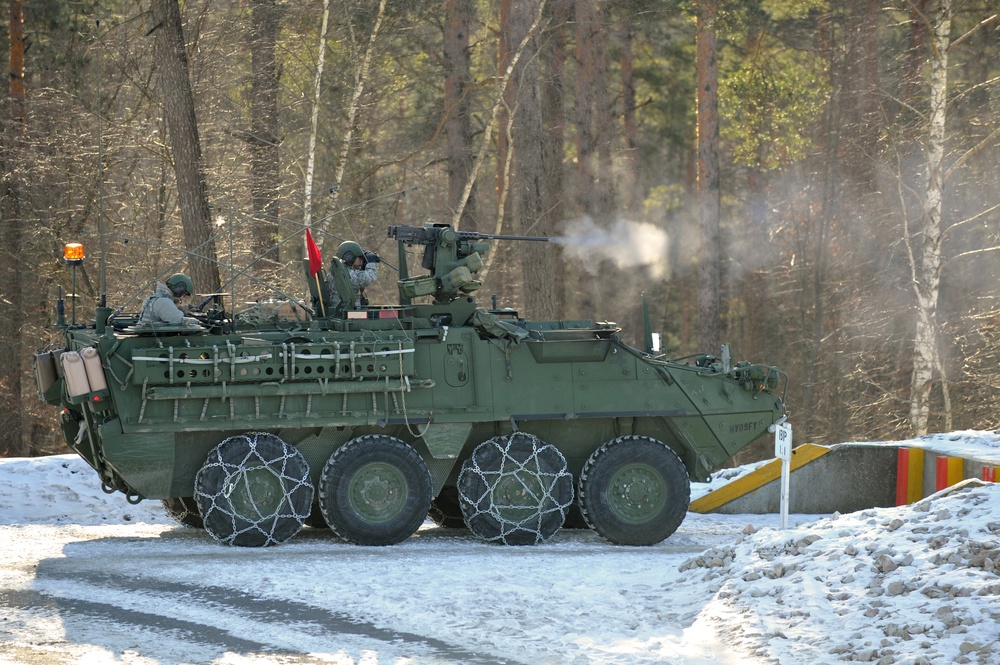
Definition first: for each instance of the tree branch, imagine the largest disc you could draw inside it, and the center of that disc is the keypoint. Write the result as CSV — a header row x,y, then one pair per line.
x,y
971,152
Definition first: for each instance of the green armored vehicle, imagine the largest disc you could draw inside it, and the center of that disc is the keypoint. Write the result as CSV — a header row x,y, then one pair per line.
x,y
367,419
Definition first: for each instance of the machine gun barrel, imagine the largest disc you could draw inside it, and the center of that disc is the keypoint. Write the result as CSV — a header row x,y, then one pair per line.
x,y
472,235
429,234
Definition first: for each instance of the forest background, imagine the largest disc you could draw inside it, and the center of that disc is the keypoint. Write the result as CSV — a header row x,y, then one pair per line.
x,y
814,182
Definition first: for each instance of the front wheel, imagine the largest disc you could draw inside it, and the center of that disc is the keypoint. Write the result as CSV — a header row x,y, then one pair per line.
x,y
634,490
375,490
254,490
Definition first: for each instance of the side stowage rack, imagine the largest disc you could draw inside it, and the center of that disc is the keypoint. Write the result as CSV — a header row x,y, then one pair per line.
x,y
288,361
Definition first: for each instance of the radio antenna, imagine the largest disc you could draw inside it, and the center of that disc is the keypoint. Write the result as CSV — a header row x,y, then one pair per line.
x,y
100,168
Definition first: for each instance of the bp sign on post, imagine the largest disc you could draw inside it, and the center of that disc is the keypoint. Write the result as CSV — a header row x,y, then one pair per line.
x,y
783,451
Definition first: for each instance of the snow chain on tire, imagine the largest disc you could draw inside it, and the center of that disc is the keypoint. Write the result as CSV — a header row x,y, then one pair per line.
x,y
254,490
515,490
185,511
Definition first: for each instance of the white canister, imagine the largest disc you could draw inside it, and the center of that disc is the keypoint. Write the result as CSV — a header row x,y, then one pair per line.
x,y
95,373
75,374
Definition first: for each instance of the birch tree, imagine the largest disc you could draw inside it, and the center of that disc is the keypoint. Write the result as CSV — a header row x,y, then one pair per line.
x,y
314,122
925,261
354,108
925,244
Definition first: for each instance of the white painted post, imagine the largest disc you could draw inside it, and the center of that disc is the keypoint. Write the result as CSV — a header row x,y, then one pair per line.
x,y
783,451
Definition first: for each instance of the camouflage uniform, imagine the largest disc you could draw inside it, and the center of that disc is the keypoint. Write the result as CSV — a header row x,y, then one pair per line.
x,y
161,308
359,280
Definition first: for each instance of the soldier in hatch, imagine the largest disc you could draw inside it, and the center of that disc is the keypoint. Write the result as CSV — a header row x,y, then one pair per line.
x,y
161,307
362,271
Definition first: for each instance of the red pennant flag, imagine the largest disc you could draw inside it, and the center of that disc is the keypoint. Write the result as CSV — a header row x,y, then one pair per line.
x,y
315,258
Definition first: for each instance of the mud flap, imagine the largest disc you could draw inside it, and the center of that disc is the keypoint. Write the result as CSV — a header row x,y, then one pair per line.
x,y
445,440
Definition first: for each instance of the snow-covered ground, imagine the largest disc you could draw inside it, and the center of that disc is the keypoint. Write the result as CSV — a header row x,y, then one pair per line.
x,y
87,578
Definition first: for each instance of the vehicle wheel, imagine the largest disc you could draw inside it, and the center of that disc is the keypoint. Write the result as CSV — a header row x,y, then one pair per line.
x,y
184,509
515,490
375,490
445,509
254,490
634,490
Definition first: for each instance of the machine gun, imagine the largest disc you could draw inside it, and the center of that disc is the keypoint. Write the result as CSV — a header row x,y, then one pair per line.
x,y
426,235
453,257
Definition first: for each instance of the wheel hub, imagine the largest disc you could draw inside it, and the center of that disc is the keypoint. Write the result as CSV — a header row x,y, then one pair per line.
x,y
255,492
637,493
378,492
517,495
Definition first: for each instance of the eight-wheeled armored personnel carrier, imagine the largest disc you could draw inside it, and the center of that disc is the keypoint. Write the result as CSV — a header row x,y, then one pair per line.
x,y
366,419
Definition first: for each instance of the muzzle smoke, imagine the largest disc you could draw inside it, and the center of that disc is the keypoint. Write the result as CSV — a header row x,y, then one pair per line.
x,y
626,243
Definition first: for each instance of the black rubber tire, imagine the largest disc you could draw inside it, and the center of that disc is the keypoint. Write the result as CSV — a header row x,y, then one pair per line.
x,y
446,511
634,490
375,490
254,490
515,490
184,509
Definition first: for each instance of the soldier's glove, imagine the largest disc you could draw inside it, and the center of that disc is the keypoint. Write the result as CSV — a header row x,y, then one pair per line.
x,y
372,257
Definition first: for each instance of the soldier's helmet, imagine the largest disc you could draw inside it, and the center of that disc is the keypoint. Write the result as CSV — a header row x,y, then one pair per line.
x,y
180,285
348,251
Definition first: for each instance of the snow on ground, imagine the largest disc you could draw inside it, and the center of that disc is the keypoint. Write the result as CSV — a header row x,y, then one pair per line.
x,y
969,444
86,577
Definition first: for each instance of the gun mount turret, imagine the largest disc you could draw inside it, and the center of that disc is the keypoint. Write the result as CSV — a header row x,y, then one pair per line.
x,y
453,257
367,419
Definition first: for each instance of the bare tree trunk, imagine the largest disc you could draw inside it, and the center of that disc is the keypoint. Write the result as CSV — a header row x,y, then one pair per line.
x,y
314,124
498,112
460,16
709,197
263,141
508,56
554,122
18,98
587,189
528,184
604,114
505,95
862,77
185,147
585,84
360,81
915,55
630,124
11,295
927,270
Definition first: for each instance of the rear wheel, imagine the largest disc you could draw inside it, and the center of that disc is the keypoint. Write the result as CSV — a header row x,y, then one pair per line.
x,y
375,490
254,490
184,509
634,490
515,490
